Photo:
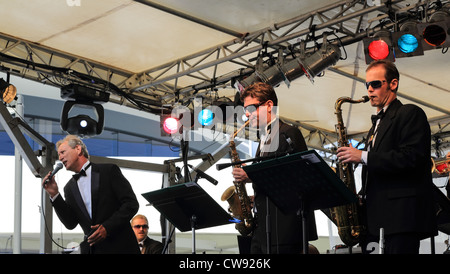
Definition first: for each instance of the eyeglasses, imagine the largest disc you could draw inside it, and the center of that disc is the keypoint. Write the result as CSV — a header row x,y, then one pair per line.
x,y
253,107
375,84
139,226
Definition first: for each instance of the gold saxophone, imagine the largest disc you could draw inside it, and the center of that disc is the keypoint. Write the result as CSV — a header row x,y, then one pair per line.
x,y
441,166
348,217
236,196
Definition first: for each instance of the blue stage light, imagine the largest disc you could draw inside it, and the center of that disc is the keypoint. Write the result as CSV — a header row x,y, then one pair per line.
x,y
205,117
408,43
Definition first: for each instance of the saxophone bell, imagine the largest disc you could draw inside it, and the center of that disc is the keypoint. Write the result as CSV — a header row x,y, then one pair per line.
x,y
441,166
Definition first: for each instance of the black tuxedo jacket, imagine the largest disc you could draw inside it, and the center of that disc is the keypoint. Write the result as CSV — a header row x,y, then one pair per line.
x,y
397,179
152,246
113,205
286,229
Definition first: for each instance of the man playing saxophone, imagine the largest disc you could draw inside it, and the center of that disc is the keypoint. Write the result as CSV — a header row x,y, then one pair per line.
x,y
396,179
260,104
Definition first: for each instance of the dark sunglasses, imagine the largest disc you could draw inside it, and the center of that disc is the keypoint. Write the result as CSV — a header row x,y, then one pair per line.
x,y
253,107
139,226
375,84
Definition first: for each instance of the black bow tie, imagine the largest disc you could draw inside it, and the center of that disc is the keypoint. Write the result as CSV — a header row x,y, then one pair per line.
x,y
82,172
376,117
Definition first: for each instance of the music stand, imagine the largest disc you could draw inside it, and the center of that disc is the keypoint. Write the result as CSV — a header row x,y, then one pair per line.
x,y
188,207
300,181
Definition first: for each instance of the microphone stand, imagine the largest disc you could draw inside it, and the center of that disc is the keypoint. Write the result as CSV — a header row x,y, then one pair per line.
x,y
184,145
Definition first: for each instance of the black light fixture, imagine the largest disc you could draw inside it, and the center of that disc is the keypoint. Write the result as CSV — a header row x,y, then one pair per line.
x,y
82,125
84,97
407,41
379,47
435,32
310,66
8,92
179,120
218,111
169,125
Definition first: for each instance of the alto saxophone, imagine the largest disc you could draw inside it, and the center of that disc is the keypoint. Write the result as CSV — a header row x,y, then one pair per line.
x,y
348,218
236,196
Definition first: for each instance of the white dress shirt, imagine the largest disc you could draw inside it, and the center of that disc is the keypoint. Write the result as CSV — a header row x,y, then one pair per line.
x,y
84,185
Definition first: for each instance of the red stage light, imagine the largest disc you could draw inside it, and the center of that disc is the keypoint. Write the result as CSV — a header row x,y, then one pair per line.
x,y
170,125
378,50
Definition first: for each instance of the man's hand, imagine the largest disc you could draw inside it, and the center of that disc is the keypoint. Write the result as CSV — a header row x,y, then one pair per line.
x,y
240,175
349,154
51,187
98,235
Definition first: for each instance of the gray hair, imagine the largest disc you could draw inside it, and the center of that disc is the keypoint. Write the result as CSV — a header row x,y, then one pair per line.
x,y
74,141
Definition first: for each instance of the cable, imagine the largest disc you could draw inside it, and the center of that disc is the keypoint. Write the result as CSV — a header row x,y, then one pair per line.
x,y
46,227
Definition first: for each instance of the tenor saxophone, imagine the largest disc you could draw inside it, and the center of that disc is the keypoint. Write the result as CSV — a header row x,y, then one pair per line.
x,y
348,218
237,198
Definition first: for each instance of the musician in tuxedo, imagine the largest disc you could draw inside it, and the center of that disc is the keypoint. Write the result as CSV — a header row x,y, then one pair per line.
x,y
139,223
396,179
276,137
98,198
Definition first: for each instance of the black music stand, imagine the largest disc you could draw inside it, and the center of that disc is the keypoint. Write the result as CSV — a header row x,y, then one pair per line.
x,y
300,182
188,207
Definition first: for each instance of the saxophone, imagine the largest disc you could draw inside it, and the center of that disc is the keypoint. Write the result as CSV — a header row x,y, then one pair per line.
x,y
346,217
236,196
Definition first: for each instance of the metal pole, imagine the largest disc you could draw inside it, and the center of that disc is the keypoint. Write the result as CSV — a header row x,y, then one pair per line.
x,y
17,238
381,240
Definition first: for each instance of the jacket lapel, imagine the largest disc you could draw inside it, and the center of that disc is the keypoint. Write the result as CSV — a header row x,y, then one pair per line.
x,y
77,196
386,122
95,183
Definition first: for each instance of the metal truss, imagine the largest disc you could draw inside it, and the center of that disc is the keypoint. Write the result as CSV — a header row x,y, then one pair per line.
x,y
159,88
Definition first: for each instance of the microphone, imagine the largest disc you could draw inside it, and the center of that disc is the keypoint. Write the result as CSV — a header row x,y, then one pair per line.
x,y
204,175
57,168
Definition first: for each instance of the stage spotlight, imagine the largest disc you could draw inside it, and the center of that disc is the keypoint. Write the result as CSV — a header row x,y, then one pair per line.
x,y
407,41
288,71
8,92
326,56
179,121
87,98
378,47
169,125
205,117
217,112
82,125
435,33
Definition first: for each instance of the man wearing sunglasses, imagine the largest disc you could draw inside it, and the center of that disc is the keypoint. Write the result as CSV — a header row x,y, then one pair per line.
x,y
139,223
276,138
397,188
